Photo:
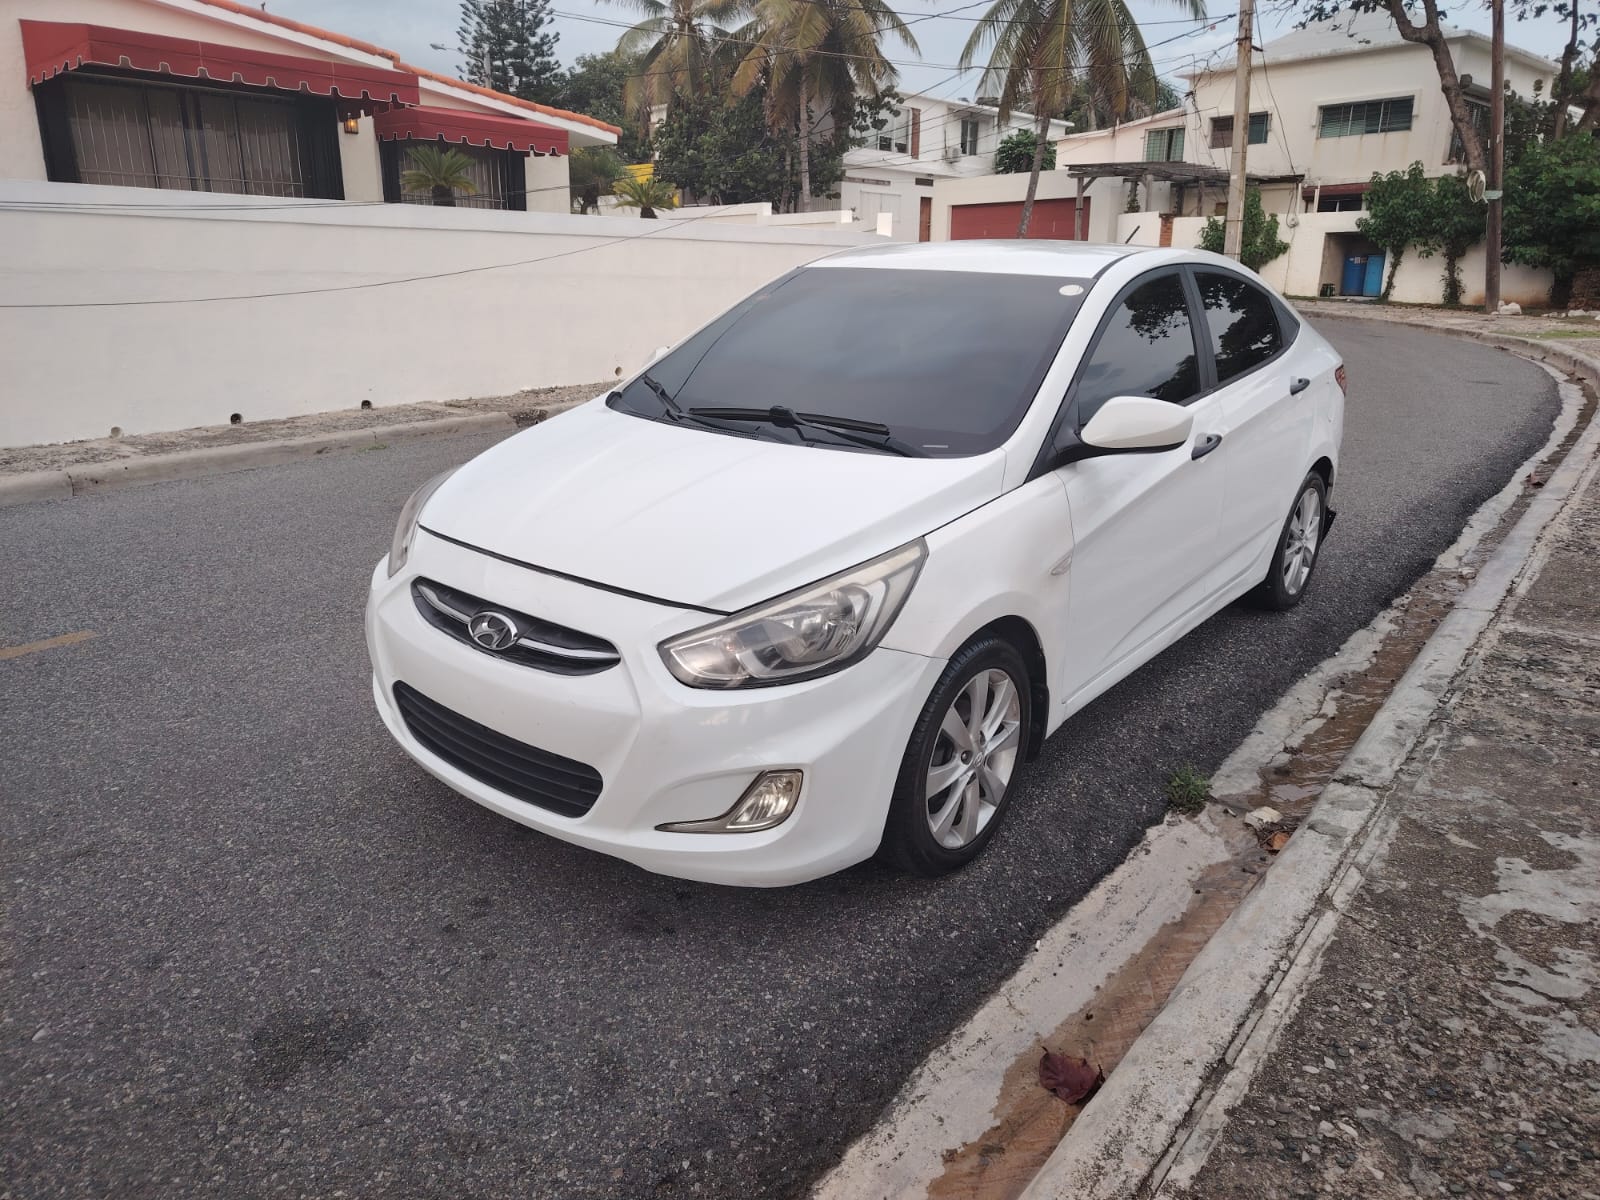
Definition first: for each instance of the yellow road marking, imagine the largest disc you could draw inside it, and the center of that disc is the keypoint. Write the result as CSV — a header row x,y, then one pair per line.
x,y
66,639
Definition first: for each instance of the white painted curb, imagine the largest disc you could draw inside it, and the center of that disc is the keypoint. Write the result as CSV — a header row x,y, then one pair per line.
x,y
1119,1141
211,460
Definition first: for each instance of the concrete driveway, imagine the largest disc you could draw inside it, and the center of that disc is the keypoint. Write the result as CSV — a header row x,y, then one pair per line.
x,y
251,951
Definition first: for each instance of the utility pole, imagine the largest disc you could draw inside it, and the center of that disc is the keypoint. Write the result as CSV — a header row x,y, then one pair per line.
x,y
1495,182
1233,231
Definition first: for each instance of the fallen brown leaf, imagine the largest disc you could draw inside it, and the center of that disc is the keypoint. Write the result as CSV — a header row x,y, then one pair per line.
x,y
1278,841
1072,1079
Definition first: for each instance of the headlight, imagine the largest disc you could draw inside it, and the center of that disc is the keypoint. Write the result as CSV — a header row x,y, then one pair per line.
x,y
405,530
817,630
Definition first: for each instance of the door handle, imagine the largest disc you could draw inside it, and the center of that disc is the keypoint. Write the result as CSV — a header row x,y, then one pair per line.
x,y
1206,445
1296,386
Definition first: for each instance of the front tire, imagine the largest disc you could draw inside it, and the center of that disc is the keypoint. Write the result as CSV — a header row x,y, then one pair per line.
x,y
960,766
1299,544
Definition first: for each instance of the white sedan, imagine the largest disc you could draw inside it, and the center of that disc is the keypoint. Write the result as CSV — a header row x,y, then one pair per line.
x,y
821,579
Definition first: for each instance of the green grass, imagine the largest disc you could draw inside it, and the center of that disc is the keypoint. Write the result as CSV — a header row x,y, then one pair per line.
x,y
1187,791
1569,333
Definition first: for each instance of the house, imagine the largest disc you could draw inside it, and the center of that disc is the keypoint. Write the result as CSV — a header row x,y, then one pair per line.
x,y
928,140
1329,105
217,96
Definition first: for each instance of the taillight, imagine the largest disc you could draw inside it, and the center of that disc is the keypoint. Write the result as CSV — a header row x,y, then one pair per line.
x,y
1344,383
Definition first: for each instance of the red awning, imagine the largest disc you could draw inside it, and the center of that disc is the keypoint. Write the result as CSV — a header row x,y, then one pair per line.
x,y
470,129
52,47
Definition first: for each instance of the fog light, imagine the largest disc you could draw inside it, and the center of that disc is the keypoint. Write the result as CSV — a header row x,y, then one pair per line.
x,y
765,803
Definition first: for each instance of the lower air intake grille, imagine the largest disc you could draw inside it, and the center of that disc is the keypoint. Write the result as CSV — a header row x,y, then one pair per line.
x,y
524,772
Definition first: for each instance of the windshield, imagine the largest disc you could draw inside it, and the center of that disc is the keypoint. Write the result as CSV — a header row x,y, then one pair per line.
x,y
946,361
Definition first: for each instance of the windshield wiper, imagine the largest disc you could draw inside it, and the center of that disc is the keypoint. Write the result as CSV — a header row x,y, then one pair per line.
x,y
873,435
677,413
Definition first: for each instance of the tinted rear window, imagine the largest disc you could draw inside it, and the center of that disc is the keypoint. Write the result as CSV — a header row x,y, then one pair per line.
x,y
1243,322
949,360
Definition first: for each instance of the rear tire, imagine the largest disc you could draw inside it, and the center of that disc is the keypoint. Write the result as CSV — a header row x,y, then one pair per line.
x,y
1299,546
961,764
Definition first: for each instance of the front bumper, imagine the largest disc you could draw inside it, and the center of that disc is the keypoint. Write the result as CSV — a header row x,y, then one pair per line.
x,y
665,752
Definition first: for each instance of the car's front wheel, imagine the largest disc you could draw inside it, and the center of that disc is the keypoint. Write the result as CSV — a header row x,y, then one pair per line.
x,y
1299,543
958,771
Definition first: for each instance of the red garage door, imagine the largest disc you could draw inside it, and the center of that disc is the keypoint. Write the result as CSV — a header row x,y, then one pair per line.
x,y
1051,219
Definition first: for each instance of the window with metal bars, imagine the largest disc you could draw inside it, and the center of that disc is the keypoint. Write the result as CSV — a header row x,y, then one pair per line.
x,y
1222,130
1164,145
1367,116
499,177
131,133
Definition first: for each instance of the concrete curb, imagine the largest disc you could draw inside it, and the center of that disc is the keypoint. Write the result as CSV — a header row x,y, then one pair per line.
x,y
89,478
1129,1132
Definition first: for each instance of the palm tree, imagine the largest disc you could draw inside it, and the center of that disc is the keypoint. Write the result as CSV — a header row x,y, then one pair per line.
x,y
1038,46
440,172
646,195
677,47
818,52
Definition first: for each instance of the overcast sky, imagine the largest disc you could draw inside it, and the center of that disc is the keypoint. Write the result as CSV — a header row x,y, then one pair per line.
x,y
409,26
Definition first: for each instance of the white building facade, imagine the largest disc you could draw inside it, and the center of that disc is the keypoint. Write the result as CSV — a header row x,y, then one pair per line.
x,y
1330,105
929,140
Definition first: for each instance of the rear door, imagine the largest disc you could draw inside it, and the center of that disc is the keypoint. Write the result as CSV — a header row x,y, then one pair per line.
x,y
1144,524
1267,423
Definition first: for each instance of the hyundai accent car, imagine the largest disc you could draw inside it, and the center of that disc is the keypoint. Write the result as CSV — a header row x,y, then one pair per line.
x,y
819,581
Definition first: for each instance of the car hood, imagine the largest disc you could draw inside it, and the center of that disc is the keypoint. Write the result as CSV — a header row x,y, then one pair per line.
x,y
693,517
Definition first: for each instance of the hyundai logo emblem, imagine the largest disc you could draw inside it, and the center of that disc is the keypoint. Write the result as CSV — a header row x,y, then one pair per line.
x,y
493,630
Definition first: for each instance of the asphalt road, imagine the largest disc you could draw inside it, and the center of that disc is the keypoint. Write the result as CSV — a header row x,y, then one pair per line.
x,y
250,950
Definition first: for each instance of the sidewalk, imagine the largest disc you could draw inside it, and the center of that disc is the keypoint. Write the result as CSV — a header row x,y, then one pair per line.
x,y
1449,1041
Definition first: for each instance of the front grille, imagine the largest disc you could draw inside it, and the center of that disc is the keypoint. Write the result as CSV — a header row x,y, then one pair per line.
x,y
562,785
541,644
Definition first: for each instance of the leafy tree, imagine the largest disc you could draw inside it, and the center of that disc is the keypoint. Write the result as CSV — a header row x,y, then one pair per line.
x,y
1456,223
1399,214
439,172
816,58
1015,154
646,195
507,47
592,172
1261,243
1552,210
725,150
595,86
1039,47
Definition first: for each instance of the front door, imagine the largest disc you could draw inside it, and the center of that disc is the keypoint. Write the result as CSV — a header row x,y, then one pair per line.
x,y
1144,525
925,219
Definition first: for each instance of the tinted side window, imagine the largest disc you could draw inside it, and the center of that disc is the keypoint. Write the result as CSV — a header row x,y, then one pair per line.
x,y
1242,320
1146,349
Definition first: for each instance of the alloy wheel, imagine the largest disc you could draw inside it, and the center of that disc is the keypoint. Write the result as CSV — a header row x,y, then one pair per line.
x,y
973,758
1300,543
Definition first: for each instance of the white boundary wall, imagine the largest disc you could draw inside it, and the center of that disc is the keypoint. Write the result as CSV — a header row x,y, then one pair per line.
x,y
619,288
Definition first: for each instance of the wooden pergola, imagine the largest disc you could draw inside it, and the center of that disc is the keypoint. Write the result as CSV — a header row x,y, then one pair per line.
x,y
1183,174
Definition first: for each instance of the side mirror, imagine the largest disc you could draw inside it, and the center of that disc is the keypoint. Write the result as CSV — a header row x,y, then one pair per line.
x,y
1138,423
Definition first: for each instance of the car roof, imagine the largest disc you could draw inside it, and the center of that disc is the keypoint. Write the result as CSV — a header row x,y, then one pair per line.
x,y
1072,260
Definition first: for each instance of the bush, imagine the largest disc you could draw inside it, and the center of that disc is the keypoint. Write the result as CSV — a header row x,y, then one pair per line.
x,y
1261,242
